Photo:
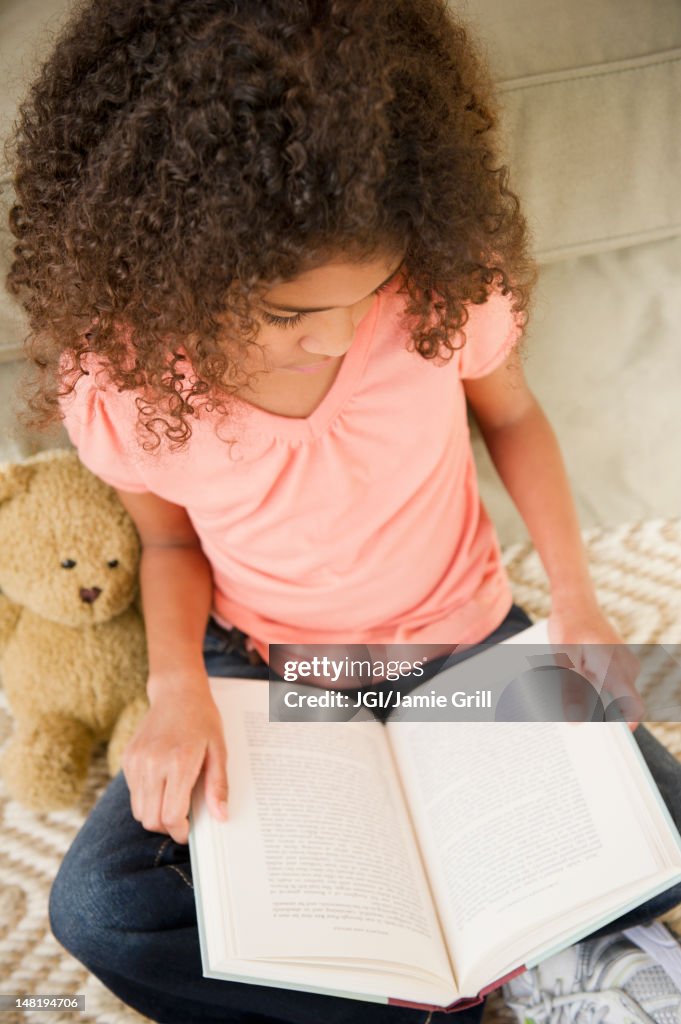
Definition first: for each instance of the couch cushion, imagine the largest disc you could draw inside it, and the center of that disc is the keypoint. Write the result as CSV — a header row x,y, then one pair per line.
x,y
591,92
602,357
27,29
12,323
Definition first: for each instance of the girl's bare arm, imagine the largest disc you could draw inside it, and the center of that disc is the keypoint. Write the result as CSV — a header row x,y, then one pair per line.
x,y
527,457
181,735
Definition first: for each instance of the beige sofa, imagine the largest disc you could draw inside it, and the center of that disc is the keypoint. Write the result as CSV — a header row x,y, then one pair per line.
x,y
592,96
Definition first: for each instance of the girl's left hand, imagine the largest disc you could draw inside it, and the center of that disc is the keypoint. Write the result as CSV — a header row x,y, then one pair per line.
x,y
599,653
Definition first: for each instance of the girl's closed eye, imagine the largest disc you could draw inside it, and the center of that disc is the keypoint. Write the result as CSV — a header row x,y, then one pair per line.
x,y
293,321
282,321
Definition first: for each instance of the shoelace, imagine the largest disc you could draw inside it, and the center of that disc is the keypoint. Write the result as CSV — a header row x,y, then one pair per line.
x,y
580,1008
586,1003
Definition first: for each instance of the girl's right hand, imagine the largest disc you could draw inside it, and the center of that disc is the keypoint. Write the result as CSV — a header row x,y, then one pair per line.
x,y
180,736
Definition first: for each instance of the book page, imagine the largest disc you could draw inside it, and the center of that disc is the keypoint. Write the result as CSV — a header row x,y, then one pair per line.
x,y
317,855
519,823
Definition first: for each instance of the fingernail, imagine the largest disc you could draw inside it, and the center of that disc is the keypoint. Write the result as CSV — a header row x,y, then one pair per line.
x,y
574,712
222,809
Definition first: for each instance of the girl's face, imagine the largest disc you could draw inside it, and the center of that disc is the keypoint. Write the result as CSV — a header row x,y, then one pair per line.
x,y
310,321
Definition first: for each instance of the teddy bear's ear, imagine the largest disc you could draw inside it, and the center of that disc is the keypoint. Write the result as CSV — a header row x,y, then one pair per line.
x,y
14,479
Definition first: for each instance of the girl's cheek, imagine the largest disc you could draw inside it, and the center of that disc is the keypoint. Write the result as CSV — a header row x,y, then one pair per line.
x,y
279,342
364,308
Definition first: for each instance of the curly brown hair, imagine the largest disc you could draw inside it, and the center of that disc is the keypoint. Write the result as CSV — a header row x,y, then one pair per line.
x,y
173,155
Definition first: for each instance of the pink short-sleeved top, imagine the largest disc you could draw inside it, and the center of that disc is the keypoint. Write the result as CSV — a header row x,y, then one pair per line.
x,y
360,523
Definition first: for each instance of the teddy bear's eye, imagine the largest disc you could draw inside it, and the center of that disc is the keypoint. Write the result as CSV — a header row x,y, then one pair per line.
x,y
68,563
113,563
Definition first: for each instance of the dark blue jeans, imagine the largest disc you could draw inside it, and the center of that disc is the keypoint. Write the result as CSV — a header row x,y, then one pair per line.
x,y
123,904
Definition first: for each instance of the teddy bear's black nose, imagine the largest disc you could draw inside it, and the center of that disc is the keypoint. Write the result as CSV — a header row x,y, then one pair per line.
x,y
89,594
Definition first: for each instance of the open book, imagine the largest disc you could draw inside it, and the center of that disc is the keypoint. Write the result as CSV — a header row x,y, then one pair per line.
x,y
418,863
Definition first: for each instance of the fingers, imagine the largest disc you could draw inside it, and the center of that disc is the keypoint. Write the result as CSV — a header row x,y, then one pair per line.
x,y
619,681
580,700
628,707
160,789
612,670
215,781
165,757
180,780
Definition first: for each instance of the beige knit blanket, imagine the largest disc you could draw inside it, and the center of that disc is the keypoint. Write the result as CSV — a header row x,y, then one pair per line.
x,y
637,570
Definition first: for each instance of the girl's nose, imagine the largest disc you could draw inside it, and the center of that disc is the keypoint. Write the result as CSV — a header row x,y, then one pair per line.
x,y
333,334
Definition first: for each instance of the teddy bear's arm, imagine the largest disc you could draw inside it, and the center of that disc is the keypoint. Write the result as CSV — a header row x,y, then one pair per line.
x,y
9,616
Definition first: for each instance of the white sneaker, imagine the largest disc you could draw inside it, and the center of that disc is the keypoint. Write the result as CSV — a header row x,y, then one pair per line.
x,y
599,980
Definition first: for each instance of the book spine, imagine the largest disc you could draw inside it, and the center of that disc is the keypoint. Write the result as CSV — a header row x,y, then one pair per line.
x,y
461,1004
502,981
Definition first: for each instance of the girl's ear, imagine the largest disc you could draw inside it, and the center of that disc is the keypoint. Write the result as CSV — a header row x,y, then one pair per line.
x,y
15,479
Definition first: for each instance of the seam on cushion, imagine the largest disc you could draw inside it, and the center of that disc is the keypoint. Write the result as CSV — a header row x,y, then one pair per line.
x,y
584,248
584,74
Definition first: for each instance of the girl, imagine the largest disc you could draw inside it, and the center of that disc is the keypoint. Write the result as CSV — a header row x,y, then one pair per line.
x,y
269,255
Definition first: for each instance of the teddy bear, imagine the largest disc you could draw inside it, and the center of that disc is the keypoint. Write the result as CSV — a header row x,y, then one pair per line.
x,y
72,644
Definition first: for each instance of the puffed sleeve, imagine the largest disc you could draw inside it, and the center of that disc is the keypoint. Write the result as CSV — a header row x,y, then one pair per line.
x,y
101,423
491,332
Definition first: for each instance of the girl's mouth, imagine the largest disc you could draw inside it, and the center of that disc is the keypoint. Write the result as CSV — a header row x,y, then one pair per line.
x,y
310,367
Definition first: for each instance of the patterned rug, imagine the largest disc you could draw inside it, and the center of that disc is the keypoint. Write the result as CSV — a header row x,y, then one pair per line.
x,y
637,570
